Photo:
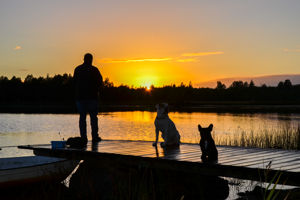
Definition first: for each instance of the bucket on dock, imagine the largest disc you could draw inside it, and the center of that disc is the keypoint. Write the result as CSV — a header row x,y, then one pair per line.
x,y
58,144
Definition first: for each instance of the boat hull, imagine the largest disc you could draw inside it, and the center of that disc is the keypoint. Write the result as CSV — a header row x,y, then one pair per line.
x,y
33,169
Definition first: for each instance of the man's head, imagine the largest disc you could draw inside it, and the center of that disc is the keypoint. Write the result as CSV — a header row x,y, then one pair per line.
x,y
88,59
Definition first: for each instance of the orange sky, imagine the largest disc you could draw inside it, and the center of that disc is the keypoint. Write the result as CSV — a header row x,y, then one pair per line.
x,y
141,43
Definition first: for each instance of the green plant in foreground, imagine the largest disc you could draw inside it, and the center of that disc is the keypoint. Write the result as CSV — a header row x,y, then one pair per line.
x,y
271,194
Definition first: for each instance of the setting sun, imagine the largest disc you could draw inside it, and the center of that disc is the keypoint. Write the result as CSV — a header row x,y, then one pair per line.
x,y
146,81
147,86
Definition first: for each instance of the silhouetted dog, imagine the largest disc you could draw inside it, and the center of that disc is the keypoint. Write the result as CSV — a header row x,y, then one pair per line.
x,y
207,144
166,126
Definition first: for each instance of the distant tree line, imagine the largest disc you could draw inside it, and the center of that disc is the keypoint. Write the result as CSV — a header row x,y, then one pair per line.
x,y
58,90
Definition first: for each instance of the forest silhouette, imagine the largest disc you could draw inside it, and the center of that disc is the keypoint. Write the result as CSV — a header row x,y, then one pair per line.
x,y
57,92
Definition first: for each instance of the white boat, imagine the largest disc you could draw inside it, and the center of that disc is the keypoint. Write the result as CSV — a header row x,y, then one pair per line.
x,y
30,169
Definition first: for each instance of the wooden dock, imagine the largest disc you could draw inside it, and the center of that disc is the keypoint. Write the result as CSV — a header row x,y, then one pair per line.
x,y
236,162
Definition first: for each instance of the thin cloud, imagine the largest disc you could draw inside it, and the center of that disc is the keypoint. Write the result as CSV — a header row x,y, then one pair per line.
x,y
181,58
135,60
18,47
187,60
292,50
202,54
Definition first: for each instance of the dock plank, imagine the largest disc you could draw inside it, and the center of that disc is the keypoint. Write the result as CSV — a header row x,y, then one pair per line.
x,y
245,160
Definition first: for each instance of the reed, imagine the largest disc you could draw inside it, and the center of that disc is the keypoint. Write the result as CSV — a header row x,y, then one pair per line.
x,y
283,138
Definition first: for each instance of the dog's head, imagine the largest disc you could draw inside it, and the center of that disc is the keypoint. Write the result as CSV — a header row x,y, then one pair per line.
x,y
205,133
162,108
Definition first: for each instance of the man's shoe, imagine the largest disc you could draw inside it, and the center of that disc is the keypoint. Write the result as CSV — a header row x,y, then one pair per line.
x,y
77,142
97,139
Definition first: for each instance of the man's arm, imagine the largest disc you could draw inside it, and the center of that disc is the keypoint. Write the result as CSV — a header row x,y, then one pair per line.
x,y
99,83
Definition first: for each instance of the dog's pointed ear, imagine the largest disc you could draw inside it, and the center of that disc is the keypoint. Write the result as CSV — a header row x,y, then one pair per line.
x,y
211,127
199,127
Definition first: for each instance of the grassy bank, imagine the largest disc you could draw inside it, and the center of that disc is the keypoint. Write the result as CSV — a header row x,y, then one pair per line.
x,y
285,138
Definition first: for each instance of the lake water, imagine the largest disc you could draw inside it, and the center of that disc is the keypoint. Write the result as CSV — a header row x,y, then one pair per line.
x,y
23,129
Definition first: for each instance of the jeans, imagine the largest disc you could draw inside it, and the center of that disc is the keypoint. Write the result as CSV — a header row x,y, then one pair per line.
x,y
90,107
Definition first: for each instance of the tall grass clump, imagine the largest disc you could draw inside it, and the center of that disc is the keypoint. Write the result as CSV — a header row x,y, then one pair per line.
x,y
298,138
281,138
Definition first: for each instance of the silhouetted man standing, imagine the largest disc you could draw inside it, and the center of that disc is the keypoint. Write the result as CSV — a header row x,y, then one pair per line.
x,y
88,83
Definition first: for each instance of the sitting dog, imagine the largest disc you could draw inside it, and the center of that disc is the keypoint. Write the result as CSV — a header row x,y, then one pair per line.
x,y
207,144
166,126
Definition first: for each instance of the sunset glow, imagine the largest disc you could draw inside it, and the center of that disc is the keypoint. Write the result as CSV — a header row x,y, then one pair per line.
x,y
143,43
135,60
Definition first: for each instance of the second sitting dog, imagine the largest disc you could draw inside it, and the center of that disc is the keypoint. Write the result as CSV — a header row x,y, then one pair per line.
x,y
207,144
166,126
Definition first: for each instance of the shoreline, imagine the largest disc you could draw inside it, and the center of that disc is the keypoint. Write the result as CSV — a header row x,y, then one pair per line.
x,y
210,108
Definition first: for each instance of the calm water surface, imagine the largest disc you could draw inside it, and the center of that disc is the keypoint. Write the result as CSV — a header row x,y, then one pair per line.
x,y
20,129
